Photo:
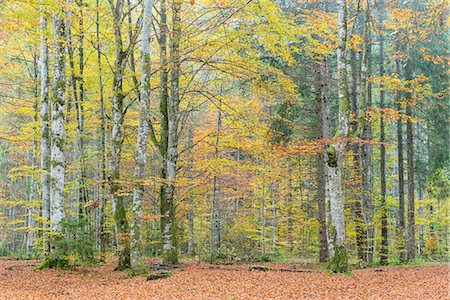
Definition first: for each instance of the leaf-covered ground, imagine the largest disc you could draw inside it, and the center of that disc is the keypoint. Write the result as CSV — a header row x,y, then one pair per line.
x,y
18,280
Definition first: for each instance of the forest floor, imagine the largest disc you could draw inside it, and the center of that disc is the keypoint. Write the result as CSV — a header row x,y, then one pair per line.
x,y
18,280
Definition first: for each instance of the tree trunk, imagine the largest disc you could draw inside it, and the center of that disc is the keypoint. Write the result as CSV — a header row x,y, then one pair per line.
x,y
323,121
410,169
273,210
215,239
190,215
336,155
118,114
357,75
401,181
57,133
290,219
169,131
137,263
383,206
102,142
79,106
45,133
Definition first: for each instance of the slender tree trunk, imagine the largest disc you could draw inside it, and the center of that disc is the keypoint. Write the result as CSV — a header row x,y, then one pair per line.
x,y
290,219
273,210
401,184
263,217
215,239
356,70
383,206
33,184
118,114
366,134
169,131
190,215
137,263
102,141
83,190
165,208
336,155
323,121
45,133
76,81
58,162
410,169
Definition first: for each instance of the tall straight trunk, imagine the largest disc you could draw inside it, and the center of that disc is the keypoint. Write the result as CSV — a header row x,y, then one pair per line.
x,y
410,169
420,193
102,142
45,133
273,211
336,155
401,181
173,119
356,69
263,218
290,219
118,114
421,243
323,123
57,132
366,134
169,132
33,183
164,128
137,263
215,237
74,202
76,81
383,206
79,105
190,214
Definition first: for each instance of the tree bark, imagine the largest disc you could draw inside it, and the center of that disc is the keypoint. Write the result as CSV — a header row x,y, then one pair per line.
x,y
45,132
401,182
191,207
410,169
169,131
57,132
323,123
336,155
357,76
215,238
383,205
118,114
137,263
102,142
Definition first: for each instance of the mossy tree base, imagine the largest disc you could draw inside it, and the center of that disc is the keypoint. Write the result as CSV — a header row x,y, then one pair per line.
x,y
138,271
54,263
339,261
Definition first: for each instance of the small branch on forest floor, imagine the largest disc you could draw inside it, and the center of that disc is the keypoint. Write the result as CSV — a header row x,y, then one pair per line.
x,y
258,268
159,275
19,266
295,271
157,267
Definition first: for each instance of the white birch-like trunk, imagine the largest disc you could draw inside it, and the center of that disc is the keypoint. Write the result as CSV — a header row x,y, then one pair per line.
x,y
336,156
137,264
45,132
57,129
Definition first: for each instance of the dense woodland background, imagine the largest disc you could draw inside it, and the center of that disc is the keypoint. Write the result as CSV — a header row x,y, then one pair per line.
x,y
225,130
